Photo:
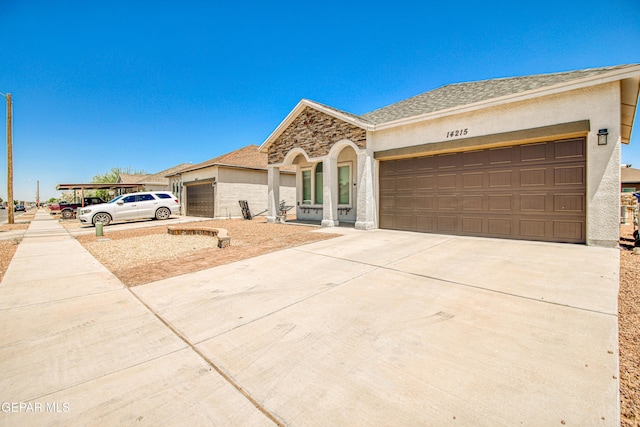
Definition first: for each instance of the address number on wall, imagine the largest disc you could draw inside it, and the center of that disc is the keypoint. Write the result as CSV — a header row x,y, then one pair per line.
x,y
458,132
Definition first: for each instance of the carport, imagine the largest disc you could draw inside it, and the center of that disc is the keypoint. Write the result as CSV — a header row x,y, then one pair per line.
x,y
120,188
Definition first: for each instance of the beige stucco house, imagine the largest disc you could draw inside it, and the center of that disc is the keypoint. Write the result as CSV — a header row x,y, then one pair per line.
x,y
152,182
630,179
534,158
214,188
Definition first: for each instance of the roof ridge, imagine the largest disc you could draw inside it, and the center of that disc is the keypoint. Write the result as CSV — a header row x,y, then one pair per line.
x,y
457,94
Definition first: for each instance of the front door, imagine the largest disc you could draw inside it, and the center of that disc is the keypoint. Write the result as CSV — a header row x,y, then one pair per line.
x,y
128,209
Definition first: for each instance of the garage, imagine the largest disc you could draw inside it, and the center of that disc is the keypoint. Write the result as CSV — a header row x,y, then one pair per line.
x,y
532,191
200,199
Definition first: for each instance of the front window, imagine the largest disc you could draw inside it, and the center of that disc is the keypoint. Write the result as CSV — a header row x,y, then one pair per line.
x,y
306,187
344,185
319,187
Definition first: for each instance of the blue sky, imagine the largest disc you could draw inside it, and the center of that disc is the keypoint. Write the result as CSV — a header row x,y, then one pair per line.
x,y
151,84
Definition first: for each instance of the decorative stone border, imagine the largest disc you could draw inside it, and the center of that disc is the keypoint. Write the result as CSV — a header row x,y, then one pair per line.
x,y
224,240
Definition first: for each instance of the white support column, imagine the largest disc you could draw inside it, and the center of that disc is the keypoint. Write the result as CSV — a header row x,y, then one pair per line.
x,y
273,202
365,217
330,192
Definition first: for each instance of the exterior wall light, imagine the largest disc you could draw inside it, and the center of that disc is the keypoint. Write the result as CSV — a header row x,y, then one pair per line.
x,y
602,136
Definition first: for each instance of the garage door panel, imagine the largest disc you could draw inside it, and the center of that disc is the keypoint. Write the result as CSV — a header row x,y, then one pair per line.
x,y
424,182
200,200
473,202
387,203
425,223
446,224
501,156
534,192
471,225
473,158
447,181
446,202
447,161
569,203
425,203
387,184
404,183
472,180
404,202
423,164
568,230
532,228
500,226
570,149
405,222
500,202
533,152
569,175
501,178
533,202
533,177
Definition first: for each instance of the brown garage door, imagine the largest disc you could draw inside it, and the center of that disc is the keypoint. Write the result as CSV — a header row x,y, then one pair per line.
x,y
532,192
200,200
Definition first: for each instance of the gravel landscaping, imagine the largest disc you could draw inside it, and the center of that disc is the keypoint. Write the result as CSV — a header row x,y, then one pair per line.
x,y
145,255
629,330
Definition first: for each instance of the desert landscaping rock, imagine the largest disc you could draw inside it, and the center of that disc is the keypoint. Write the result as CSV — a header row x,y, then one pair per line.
x,y
141,256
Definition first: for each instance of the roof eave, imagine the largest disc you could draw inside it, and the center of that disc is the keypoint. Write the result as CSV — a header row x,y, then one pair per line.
x,y
299,108
609,77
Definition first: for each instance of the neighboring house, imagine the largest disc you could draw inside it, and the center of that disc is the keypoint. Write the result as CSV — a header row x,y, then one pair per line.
x,y
630,179
152,182
534,157
214,188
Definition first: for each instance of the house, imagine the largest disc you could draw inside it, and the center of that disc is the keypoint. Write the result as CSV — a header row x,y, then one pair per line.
x,y
214,188
152,182
629,179
534,157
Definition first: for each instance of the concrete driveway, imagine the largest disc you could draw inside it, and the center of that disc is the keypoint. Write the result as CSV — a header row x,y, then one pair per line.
x,y
371,328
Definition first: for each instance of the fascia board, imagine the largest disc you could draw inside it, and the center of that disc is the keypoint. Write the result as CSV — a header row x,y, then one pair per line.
x,y
612,76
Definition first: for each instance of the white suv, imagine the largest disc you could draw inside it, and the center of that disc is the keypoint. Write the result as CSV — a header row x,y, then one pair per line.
x,y
150,204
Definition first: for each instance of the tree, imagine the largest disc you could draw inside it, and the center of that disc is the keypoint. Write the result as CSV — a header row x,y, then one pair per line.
x,y
113,176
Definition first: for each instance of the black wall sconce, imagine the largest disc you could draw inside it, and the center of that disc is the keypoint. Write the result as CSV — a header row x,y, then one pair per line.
x,y
602,136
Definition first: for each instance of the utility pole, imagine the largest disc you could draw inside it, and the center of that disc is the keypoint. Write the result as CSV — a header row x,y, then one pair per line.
x,y
9,162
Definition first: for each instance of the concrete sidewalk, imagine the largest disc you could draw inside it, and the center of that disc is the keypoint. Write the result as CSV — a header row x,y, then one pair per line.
x,y
77,348
372,328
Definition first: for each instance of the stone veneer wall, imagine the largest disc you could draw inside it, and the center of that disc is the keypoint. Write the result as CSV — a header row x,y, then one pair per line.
x,y
315,133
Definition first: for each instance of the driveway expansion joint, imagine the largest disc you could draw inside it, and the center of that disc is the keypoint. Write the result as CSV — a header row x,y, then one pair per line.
x,y
467,285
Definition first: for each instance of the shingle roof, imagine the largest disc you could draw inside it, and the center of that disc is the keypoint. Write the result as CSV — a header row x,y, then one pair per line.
x,y
127,178
246,157
629,175
156,178
459,94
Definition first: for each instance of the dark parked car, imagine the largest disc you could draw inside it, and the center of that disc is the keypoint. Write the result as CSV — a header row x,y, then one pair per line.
x,y
19,208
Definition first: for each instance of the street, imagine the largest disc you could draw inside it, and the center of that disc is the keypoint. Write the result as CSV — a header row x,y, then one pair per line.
x,y
4,214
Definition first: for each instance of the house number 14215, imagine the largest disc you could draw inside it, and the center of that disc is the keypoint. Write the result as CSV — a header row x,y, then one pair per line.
x,y
459,132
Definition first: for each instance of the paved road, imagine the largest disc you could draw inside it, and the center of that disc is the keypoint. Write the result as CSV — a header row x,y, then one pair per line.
x,y
4,214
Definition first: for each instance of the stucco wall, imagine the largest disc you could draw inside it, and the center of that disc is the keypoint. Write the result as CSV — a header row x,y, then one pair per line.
x,y
234,185
598,104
